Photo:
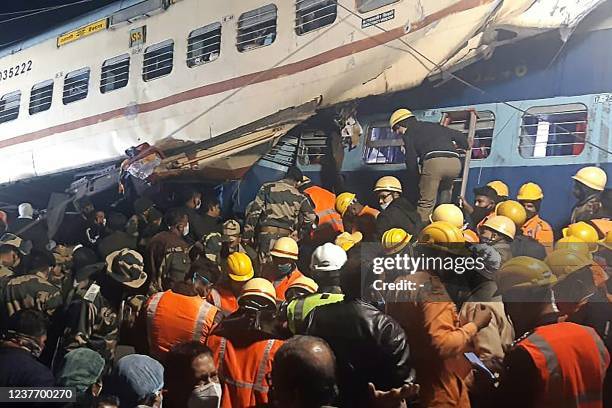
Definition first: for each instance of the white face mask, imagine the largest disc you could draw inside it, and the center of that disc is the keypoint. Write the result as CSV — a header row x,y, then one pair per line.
x,y
205,396
104,222
384,206
198,205
186,230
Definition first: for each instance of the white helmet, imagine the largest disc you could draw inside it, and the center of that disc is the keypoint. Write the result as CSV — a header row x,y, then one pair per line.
x,y
328,257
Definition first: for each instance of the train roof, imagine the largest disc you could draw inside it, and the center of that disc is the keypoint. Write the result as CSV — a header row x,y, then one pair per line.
x,y
92,16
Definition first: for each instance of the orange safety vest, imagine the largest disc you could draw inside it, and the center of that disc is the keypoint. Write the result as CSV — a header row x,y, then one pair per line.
x,y
330,221
223,298
243,370
173,318
282,284
539,230
366,222
602,225
572,361
485,219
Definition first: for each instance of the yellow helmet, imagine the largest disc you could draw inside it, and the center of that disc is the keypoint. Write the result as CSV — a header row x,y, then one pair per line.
x,y
285,247
388,183
592,177
563,262
449,213
240,267
394,240
304,282
343,201
259,287
500,188
581,230
530,192
346,241
524,272
441,232
574,244
501,224
398,116
470,236
513,210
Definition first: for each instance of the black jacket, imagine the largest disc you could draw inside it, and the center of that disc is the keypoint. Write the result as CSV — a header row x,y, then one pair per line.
x,y
114,242
422,138
399,214
369,346
36,233
19,368
527,246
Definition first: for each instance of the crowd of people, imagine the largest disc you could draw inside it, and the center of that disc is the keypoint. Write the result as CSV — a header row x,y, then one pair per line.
x,y
182,307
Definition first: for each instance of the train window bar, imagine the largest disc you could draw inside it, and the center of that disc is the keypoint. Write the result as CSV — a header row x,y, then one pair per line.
x,y
549,131
364,6
158,60
115,73
383,146
9,106
204,45
76,86
257,28
311,15
483,136
41,97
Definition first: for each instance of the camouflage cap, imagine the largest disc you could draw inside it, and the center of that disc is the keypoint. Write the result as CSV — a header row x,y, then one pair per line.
x,y
13,240
231,228
126,267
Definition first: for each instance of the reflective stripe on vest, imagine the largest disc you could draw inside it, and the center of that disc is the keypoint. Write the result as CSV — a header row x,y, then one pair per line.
x,y
151,309
205,308
260,376
298,309
325,207
216,298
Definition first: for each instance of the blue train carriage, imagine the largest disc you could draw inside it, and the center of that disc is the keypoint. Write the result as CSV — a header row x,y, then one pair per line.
x,y
543,108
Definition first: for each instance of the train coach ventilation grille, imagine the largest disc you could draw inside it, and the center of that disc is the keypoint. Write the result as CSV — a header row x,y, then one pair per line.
x,y
284,153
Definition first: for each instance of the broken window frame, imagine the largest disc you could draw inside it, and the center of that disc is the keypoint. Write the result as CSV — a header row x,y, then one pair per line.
x,y
206,38
249,24
41,97
76,85
569,121
9,106
319,16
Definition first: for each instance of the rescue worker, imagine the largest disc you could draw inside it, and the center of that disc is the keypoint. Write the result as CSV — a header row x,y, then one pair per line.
x,y
584,232
370,346
454,216
224,294
589,183
232,240
356,216
192,202
93,316
329,222
436,148
429,318
521,245
168,252
279,210
244,347
485,200
530,196
325,265
285,253
13,249
395,241
498,232
177,315
397,211
301,287
552,363
500,188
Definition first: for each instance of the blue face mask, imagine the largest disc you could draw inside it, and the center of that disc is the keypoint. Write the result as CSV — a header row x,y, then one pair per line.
x,y
285,269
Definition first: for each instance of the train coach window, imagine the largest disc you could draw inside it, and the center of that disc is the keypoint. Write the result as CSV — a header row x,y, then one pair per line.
x,y
313,14
553,131
363,6
204,45
257,28
312,147
483,136
40,97
115,73
76,85
9,106
383,147
158,60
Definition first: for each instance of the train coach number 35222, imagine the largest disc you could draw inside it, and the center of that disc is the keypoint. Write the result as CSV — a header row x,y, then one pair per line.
x,y
16,70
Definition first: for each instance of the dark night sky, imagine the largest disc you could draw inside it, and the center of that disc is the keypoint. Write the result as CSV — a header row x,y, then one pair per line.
x,y
23,28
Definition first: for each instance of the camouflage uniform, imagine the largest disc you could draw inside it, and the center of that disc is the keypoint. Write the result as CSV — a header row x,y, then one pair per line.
x,y
281,205
588,209
32,291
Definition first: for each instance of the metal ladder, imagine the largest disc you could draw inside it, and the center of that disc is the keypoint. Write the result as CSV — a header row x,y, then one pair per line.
x,y
465,122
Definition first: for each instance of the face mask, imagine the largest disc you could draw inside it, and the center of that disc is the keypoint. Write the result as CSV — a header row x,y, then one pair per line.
x,y
186,230
479,214
285,269
104,222
205,396
384,206
198,205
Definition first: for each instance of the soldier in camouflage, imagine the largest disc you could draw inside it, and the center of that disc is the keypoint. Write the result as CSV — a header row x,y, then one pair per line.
x,y
99,305
12,250
279,210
